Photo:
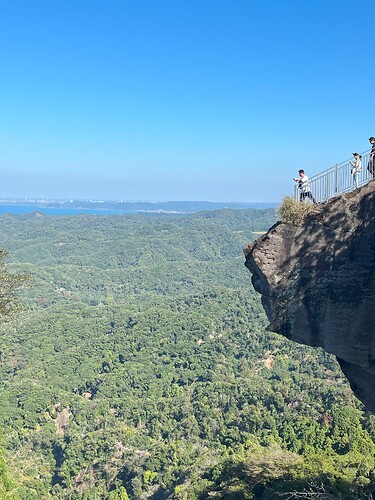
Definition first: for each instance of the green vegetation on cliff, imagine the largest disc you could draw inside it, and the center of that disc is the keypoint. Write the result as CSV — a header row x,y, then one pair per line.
x,y
141,368
294,212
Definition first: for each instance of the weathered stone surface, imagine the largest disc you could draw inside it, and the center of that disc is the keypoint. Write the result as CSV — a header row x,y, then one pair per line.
x,y
318,283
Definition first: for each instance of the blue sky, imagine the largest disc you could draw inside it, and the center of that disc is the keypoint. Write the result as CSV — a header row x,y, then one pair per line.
x,y
172,100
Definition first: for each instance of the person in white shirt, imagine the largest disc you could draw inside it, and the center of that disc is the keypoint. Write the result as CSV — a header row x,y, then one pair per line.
x,y
304,186
356,164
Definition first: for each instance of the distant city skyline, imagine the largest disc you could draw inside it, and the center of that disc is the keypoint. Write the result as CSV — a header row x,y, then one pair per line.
x,y
43,199
220,101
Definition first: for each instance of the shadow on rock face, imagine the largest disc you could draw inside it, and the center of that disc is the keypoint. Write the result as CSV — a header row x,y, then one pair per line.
x,y
318,283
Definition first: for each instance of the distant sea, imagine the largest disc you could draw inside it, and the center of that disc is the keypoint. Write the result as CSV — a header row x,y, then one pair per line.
x,y
157,208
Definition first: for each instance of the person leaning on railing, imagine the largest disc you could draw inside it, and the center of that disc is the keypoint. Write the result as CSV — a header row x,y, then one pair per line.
x,y
371,162
304,185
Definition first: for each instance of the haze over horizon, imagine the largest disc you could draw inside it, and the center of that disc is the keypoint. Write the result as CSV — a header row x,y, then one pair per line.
x,y
170,101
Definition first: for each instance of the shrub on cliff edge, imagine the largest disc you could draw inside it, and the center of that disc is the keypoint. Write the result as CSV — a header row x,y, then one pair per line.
x,y
294,212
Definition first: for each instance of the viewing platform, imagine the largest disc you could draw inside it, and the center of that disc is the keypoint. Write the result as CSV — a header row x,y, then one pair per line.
x,y
337,180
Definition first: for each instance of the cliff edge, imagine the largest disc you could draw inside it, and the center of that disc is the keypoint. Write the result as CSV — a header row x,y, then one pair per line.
x,y
317,283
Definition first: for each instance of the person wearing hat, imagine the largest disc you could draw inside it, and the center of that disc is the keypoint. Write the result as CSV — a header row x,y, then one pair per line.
x,y
356,164
371,163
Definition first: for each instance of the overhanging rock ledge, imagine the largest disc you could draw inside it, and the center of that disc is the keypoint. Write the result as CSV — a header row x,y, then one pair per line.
x,y
317,283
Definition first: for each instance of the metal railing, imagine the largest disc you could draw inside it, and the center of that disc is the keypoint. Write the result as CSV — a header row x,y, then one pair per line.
x,y
337,180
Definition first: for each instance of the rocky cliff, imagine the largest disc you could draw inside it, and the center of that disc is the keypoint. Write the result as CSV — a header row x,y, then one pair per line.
x,y
317,283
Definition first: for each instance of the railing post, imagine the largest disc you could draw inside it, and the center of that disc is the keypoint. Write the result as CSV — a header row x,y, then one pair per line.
x,y
336,179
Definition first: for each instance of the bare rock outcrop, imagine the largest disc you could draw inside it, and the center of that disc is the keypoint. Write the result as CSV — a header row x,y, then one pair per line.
x,y
318,283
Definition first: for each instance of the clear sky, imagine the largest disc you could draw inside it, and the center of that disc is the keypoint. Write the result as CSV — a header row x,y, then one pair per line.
x,y
180,100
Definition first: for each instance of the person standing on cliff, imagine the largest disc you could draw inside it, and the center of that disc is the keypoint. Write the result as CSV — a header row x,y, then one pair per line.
x,y
356,164
371,163
304,185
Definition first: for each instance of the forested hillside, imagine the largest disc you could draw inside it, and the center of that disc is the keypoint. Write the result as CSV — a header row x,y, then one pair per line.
x,y
140,368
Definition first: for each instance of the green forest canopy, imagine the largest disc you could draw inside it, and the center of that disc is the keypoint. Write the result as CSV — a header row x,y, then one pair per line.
x,y
140,367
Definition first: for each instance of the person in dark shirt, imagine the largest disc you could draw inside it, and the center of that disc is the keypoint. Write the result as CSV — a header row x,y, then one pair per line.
x,y
371,163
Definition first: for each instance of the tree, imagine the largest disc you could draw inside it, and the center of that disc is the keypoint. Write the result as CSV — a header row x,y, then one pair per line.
x,y
5,482
9,284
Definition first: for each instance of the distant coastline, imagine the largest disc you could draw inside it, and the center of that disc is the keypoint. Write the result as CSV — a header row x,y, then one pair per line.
x,y
102,207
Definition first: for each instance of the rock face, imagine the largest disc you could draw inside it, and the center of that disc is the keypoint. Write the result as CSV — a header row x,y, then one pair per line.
x,y
318,283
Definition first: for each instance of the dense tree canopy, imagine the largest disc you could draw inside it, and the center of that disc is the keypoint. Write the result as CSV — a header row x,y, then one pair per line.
x,y
141,367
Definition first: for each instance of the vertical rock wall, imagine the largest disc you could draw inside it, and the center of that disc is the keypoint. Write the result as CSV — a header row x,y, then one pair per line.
x,y
318,283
